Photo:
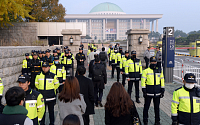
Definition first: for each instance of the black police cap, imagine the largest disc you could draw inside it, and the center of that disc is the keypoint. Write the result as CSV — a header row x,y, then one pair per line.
x,y
56,58
48,51
54,51
23,78
66,52
153,59
120,48
91,49
133,52
190,78
45,64
26,54
69,49
80,48
43,52
35,53
126,51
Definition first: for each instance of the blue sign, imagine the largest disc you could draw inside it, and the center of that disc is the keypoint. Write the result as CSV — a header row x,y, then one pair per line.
x,y
170,51
163,51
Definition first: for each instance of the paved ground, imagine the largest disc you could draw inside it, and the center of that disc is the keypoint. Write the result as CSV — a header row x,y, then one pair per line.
x,y
98,117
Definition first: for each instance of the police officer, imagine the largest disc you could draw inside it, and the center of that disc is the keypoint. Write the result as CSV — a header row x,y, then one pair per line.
x,y
35,67
94,47
1,89
185,106
81,46
58,51
48,58
43,53
26,65
118,57
133,71
153,87
147,56
68,63
89,46
60,71
89,51
40,55
80,57
122,66
63,54
55,53
99,78
110,50
33,102
47,83
158,57
113,59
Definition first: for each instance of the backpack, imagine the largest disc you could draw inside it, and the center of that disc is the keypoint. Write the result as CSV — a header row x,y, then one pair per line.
x,y
96,73
102,56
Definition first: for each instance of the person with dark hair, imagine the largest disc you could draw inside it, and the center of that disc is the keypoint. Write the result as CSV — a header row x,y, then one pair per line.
x,y
71,120
70,101
110,50
119,108
91,56
67,61
87,89
34,101
113,58
91,65
26,65
48,58
47,83
99,78
103,56
14,112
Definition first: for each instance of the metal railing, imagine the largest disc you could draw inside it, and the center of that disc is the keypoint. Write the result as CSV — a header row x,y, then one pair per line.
x,y
180,69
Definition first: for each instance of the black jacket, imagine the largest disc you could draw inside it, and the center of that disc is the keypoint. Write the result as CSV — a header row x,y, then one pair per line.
x,y
80,56
100,84
87,89
121,120
35,66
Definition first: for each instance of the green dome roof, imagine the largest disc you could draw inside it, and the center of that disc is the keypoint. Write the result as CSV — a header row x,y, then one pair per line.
x,y
106,7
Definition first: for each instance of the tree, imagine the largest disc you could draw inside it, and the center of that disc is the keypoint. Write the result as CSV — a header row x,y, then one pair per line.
x,y
14,11
47,11
179,33
88,37
154,34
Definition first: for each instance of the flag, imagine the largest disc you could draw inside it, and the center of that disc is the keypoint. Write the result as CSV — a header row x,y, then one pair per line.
x,y
107,30
141,20
112,30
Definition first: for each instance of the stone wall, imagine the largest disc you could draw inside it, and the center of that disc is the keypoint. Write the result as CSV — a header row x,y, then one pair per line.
x,y
20,34
11,63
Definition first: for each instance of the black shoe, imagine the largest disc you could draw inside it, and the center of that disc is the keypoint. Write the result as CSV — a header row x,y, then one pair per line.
x,y
145,123
96,105
137,100
157,123
101,105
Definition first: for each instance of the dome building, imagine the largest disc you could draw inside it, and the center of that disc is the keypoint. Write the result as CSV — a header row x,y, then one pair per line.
x,y
107,21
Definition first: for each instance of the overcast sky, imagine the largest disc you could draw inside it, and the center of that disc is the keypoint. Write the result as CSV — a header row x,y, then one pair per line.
x,y
182,14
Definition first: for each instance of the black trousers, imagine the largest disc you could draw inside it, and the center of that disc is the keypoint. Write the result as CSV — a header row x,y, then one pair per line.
x,y
118,73
113,69
156,102
32,85
60,88
98,94
159,64
50,106
123,79
86,119
147,62
130,86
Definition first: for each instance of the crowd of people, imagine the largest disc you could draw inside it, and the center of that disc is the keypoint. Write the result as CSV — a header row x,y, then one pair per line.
x,y
49,79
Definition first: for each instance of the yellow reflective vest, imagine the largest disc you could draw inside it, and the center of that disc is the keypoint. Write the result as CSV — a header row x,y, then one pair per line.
x,y
113,58
118,57
1,87
133,69
185,106
47,83
34,103
60,72
110,50
152,82
88,52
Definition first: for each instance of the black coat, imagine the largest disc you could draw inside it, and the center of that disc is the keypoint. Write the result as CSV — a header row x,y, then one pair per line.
x,y
100,84
80,56
121,120
87,89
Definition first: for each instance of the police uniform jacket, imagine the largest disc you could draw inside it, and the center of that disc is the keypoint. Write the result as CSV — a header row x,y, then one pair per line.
x,y
67,61
35,66
26,66
48,59
152,82
185,106
47,83
113,58
133,69
123,63
147,54
1,88
80,56
34,103
60,72
158,56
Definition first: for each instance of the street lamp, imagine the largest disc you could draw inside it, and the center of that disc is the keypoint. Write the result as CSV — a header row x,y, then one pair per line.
x,y
71,40
140,39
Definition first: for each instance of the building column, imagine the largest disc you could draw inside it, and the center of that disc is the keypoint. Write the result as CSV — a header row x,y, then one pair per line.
x,y
131,23
152,26
144,24
117,29
90,28
104,30
156,25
